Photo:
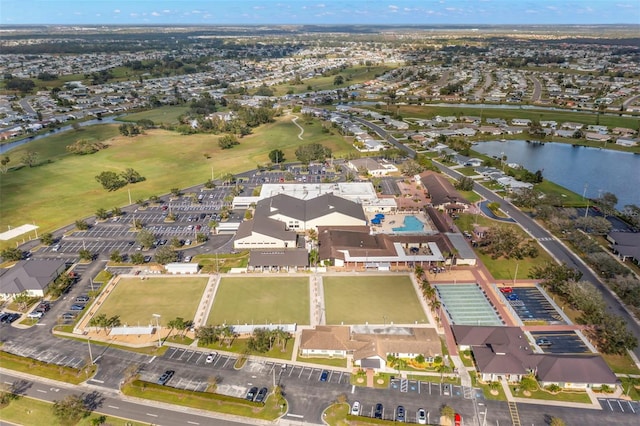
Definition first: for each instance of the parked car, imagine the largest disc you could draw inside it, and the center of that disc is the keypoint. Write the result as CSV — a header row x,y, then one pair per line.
x,y
68,316
262,395
3,317
506,290
35,315
378,411
76,307
251,394
355,408
10,318
83,299
187,243
544,342
324,376
400,414
166,376
210,358
187,259
421,416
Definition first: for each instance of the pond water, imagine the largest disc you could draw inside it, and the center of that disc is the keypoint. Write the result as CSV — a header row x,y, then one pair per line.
x,y
575,167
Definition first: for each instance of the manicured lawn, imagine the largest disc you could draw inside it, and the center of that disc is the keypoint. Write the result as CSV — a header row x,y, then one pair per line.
x,y
257,300
622,364
43,369
373,299
560,396
165,114
212,263
239,346
331,362
57,193
27,411
504,269
136,300
204,400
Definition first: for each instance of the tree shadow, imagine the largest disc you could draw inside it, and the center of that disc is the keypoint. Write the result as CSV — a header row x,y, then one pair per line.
x,y
93,400
20,387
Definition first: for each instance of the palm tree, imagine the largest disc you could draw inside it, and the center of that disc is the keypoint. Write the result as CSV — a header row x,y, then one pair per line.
x,y
419,271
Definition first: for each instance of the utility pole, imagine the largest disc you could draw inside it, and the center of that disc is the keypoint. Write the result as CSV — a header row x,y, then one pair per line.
x,y
129,191
90,354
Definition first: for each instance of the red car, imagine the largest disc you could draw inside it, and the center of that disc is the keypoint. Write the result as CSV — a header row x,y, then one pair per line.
x,y
506,290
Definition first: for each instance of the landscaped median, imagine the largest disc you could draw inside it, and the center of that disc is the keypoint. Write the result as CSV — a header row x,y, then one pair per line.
x,y
274,406
42,369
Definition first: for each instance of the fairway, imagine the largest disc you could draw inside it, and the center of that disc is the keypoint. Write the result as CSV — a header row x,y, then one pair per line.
x,y
136,300
253,300
373,299
58,192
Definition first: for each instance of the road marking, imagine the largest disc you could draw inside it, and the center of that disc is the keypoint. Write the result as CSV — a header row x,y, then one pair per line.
x,y
113,406
8,383
41,391
97,381
297,416
152,415
192,423
353,388
152,358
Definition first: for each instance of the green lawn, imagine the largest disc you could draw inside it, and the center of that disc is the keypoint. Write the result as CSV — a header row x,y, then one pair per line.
x,y
136,300
373,299
257,300
504,269
63,188
165,114
27,411
239,346
566,396
43,369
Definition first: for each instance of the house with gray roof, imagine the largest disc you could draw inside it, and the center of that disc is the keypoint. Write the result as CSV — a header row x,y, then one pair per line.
x,y
32,277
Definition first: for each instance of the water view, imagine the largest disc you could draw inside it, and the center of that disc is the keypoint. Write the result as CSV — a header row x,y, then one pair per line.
x,y
600,170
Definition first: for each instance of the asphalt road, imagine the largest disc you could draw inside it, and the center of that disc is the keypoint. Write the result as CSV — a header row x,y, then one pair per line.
x,y
558,251
115,405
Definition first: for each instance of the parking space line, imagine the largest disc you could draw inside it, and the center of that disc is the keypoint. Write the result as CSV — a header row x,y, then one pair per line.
x,y
620,405
311,373
609,403
301,370
190,356
330,375
631,407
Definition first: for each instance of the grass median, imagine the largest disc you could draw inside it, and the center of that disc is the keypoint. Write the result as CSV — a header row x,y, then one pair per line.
x,y
43,369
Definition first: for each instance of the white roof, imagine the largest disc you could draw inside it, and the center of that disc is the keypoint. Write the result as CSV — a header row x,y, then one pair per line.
x,y
16,232
123,331
352,191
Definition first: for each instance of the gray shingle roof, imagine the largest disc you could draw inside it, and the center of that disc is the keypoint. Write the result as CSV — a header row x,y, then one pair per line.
x,y
34,274
305,210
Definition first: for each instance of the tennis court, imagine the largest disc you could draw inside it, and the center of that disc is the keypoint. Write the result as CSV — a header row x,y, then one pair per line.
x,y
467,304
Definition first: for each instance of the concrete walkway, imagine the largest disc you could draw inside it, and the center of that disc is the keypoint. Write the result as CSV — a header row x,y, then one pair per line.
x,y
206,301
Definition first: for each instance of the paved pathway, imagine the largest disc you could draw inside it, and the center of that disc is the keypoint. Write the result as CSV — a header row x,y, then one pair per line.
x,y
206,302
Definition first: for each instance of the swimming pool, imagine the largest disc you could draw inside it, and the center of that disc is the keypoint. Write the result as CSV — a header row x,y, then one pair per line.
x,y
411,224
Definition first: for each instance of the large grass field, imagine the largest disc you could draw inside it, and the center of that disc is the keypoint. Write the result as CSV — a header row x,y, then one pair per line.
x,y
136,300
373,299
257,300
63,188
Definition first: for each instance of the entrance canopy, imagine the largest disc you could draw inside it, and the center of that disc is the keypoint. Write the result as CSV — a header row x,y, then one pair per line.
x,y
16,232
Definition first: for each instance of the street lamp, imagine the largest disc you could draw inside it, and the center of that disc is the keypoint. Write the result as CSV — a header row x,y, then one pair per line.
x,y
90,354
157,316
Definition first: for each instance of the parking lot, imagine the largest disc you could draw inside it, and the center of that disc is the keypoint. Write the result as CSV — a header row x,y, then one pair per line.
x,y
562,342
530,304
620,406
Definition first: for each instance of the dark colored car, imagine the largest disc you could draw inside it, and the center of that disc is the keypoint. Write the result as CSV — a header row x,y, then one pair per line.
x,y
68,316
324,376
3,317
82,299
378,412
11,318
400,414
252,394
77,307
262,395
166,376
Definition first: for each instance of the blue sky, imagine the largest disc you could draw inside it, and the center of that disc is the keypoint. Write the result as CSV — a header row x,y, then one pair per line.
x,y
257,12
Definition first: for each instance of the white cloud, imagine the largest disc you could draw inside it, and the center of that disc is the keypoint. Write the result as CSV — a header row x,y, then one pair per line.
x,y
116,11
393,7
133,15
258,7
166,11
155,14
196,12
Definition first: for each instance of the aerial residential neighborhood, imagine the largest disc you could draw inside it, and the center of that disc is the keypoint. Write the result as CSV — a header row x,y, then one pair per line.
x,y
382,223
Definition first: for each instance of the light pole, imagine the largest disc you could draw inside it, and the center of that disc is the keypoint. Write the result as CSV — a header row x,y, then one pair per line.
x,y
157,316
515,275
129,191
90,354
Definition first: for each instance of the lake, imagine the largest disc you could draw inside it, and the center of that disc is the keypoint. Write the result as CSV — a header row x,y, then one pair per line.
x,y
601,170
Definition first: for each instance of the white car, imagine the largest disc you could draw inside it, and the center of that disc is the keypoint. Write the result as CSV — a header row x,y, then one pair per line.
x,y
35,314
210,358
421,416
355,408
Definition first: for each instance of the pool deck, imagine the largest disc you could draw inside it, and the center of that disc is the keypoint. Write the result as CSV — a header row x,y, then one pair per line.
x,y
396,220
